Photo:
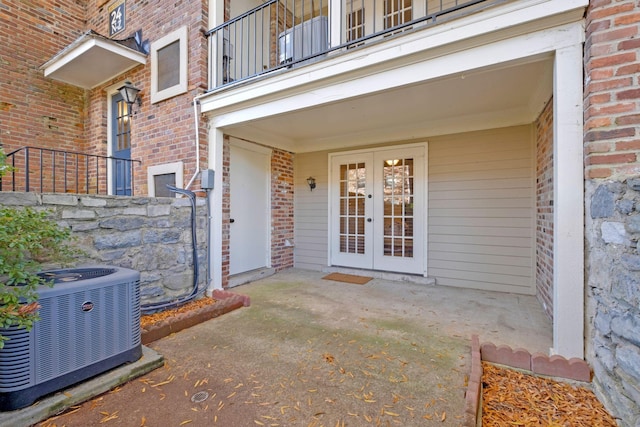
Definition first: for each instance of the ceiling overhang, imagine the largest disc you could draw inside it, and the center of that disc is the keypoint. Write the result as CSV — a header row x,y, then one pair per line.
x,y
91,60
488,70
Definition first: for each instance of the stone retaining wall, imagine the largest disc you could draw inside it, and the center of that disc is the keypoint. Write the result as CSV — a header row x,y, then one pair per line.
x,y
613,290
147,234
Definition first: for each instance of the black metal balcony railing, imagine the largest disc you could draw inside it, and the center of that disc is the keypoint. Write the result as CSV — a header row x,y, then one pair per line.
x,y
283,33
54,171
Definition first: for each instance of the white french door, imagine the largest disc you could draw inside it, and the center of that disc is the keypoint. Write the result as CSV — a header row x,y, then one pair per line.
x,y
378,209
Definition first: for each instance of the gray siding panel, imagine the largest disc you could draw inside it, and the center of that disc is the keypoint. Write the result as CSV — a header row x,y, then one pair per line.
x,y
311,211
481,209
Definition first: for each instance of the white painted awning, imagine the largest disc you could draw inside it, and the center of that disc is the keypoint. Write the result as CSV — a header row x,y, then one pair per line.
x,y
91,60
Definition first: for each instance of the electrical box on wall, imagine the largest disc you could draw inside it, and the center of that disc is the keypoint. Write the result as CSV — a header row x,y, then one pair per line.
x,y
206,179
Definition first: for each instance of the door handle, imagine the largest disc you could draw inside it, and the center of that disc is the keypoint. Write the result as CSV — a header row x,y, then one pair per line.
x,y
369,220
232,220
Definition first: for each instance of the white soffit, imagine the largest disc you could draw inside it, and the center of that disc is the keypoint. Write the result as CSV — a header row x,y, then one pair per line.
x,y
91,60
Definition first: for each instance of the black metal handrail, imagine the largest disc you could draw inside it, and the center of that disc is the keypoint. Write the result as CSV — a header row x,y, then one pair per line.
x,y
50,170
279,34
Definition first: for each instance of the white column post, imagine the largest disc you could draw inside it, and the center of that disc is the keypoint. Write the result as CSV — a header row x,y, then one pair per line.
x,y
568,213
216,17
335,18
216,143
216,13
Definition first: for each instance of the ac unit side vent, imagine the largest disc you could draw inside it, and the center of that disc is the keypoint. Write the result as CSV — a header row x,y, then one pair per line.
x,y
135,313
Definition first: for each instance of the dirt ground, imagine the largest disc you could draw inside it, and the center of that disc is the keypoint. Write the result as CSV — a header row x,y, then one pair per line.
x,y
323,354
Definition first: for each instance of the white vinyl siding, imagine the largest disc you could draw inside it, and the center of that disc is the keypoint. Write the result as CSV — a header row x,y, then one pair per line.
x,y
311,229
481,210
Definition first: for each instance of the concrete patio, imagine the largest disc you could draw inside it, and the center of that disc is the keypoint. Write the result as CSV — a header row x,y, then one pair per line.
x,y
310,351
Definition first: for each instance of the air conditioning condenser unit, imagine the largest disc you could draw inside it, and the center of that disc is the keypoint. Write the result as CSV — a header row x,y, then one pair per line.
x,y
309,38
89,323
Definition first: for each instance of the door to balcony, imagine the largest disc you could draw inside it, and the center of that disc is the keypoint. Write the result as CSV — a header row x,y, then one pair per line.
x,y
377,210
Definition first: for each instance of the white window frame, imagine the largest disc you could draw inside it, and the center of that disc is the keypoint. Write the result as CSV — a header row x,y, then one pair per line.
x,y
176,168
177,35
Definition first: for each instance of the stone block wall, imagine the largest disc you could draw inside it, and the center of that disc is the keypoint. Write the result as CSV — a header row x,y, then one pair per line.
x,y
612,199
150,235
613,271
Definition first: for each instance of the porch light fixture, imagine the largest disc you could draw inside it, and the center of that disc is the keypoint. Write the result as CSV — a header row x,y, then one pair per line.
x,y
312,183
393,162
130,93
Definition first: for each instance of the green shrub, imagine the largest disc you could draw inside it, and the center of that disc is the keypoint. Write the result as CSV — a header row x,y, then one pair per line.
x,y
28,238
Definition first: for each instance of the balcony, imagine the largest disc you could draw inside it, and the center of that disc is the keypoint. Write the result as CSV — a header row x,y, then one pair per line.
x,y
283,34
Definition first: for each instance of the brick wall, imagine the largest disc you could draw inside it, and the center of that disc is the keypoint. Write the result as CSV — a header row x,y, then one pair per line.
x,y
612,91
612,202
35,111
544,206
226,210
163,132
61,116
281,209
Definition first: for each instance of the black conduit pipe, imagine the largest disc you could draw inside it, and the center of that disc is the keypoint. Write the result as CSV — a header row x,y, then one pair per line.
x,y
155,306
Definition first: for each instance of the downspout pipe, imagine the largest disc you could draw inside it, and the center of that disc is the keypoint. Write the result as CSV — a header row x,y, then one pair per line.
x,y
196,117
196,113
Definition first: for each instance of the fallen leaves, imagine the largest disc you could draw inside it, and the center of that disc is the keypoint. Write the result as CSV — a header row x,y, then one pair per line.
x,y
108,416
150,319
514,398
167,381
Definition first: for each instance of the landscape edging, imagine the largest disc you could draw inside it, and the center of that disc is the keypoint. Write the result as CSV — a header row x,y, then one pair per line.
x,y
225,302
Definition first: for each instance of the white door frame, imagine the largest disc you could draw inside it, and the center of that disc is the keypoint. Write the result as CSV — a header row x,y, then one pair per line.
x,y
371,227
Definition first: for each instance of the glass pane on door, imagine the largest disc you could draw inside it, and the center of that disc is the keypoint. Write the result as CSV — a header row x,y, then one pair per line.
x,y
398,199
352,208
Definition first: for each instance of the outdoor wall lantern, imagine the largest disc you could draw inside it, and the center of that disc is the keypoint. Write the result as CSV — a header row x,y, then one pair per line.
x,y
312,182
130,93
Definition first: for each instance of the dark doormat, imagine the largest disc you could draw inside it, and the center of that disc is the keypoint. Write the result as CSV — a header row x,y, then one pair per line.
x,y
347,278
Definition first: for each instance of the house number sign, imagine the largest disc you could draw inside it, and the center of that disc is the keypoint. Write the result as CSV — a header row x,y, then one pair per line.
x,y
116,17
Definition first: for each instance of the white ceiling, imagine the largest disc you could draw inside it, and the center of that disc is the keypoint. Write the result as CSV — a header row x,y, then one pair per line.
x,y
511,94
